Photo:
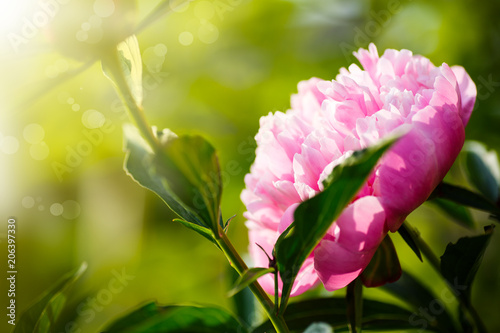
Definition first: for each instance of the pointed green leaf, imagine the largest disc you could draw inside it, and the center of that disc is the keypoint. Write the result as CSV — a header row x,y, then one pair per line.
x,y
139,162
190,167
249,276
205,232
458,213
465,197
460,262
384,266
377,316
175,319
186,175
482,169
408,234
415,294
42,316
314,217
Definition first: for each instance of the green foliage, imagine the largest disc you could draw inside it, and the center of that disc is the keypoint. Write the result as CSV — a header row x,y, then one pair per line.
x,y
205,232
41,317
411,291
482,169
377,316
458,213
313,217
460,262
409,236
185,174
249,276
190,167
384,266
129,55
245,305
176,319
465,197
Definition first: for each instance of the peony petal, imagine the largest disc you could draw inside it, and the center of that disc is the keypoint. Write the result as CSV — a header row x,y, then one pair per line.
x,y
340,258
468,92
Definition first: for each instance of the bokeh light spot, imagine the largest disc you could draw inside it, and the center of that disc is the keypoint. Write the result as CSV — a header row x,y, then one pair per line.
x,y
93,119
160,50
81,36
86,26
33,133
208,33
39,151
9,145
186,38
71,209
56,209
28,202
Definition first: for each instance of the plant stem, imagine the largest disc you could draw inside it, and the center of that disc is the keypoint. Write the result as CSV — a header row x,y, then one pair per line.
x,y
436,264
136,112
239,265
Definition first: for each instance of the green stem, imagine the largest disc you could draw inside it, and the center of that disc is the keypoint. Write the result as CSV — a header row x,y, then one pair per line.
x,y
239,265
436,264
136,112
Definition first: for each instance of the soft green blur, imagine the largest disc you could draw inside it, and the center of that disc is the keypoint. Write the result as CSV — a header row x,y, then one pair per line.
x,y
212,68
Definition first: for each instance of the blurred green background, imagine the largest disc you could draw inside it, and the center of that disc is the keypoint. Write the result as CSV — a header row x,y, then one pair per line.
x,y
212,68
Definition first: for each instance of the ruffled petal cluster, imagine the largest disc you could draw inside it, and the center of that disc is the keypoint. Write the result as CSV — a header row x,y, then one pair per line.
x,y
328,120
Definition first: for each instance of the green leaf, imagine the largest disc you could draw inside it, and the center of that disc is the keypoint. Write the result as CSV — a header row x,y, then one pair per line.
x,y
412,292
186,175
377,316
128,64
460,262
189,165
249,276
205,232
354,298
169,319
384,266
139,161
129,55
482,169
408,234
42,316
314,217
465,197
458,213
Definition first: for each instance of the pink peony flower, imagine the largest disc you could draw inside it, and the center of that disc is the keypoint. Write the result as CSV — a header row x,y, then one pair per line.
x,y
328,120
